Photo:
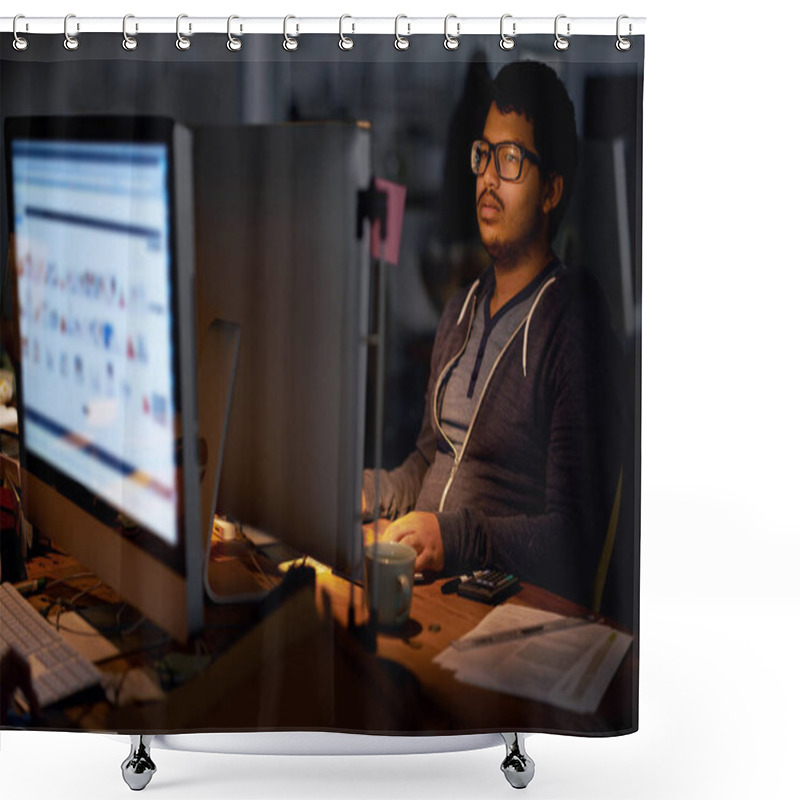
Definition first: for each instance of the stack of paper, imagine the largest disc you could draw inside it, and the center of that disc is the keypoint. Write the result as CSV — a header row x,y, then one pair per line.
x,y
570,668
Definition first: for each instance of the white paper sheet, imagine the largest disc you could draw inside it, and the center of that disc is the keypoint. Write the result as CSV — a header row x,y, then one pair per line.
x,y
81,636
571,668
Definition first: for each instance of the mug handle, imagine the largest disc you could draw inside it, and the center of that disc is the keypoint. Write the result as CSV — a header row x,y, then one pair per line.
x,y
405,593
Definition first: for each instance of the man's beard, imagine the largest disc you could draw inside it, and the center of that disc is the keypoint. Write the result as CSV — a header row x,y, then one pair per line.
x,y
508,253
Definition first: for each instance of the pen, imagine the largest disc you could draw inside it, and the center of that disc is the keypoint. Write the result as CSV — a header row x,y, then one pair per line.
x,y
511,634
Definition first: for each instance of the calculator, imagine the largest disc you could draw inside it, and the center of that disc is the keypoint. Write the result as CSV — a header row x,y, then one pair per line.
x,y
490,586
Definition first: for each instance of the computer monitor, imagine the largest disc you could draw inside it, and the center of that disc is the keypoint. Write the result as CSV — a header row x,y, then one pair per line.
x,y
279,254
102,223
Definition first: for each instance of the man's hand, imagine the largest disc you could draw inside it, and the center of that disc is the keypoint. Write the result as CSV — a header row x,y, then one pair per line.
x,y
368,529
420,530
15,673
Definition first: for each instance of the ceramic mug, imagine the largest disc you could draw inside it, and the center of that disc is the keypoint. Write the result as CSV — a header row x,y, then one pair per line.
x,y
390,582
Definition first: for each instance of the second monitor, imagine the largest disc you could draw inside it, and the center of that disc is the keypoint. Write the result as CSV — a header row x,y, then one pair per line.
x,y
278,253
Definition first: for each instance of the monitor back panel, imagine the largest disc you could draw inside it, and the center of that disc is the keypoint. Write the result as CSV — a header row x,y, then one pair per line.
x,y
277,253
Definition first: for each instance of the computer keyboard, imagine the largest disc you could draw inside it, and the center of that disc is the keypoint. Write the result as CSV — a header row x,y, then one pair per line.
x,y
57,669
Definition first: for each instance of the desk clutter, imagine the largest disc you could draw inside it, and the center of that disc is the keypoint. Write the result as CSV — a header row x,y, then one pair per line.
x,y
566,662
8,414
514,650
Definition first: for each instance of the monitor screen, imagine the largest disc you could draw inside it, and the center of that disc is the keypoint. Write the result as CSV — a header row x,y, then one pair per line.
x,y
92,230
103,236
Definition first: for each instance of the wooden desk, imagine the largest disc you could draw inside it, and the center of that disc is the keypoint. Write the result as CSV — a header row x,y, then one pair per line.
x,y
297,667
436,620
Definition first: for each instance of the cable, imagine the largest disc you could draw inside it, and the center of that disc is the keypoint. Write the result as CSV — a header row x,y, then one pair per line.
x,y
50,585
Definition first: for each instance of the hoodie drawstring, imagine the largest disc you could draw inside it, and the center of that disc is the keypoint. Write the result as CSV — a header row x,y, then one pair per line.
x,y
466,302
528,325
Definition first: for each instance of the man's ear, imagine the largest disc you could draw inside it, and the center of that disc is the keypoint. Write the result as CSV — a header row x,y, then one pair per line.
x,y
553,193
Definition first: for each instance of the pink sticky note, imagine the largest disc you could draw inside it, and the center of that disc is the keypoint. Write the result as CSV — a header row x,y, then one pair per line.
x,y
395,207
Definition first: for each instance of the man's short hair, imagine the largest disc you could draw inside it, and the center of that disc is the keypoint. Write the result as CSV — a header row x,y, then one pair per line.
x,y
534,90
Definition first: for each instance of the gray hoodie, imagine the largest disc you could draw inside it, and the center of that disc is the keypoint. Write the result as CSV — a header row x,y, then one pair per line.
x,y
532,490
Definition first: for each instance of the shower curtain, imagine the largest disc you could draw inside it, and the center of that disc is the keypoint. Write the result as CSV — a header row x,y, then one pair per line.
x,y
414,331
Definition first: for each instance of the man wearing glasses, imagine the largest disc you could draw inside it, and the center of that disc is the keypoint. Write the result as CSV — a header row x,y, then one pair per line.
x,y
515,465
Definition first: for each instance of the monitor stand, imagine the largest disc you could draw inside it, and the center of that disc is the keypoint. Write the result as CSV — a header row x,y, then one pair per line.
x,y
215,378
226,576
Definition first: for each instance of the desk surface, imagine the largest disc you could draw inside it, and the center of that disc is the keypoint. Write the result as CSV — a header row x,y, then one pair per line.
x,y
436,620
297,667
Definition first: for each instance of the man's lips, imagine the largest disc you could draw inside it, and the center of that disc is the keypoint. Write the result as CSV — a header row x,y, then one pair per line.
x,y
488,210
489,207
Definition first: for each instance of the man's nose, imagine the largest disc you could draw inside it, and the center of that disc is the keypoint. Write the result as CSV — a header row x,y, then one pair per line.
x,y
490,176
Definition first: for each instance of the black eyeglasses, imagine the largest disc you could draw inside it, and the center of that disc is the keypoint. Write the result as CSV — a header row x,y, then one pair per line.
x,y
508,158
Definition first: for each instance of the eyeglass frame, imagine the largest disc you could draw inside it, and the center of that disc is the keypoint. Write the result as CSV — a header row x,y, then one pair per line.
x,y
534,158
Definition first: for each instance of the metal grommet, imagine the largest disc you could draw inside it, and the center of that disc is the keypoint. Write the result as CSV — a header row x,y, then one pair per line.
x,y
288,42
345,42
623,44
182,43
70,42
560,42
233,44
451,42
20,42
400,42
129,42
507,42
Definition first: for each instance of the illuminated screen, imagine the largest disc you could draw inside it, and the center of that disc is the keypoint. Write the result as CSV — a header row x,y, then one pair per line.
x,y
92,233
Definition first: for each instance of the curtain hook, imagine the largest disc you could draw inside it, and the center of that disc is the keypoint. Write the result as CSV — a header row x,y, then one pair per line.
x,y
234,44
182,43
561,43
70,42
288,42
507,42
400,42
623,44
451,42
345,42
129,42
20,42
